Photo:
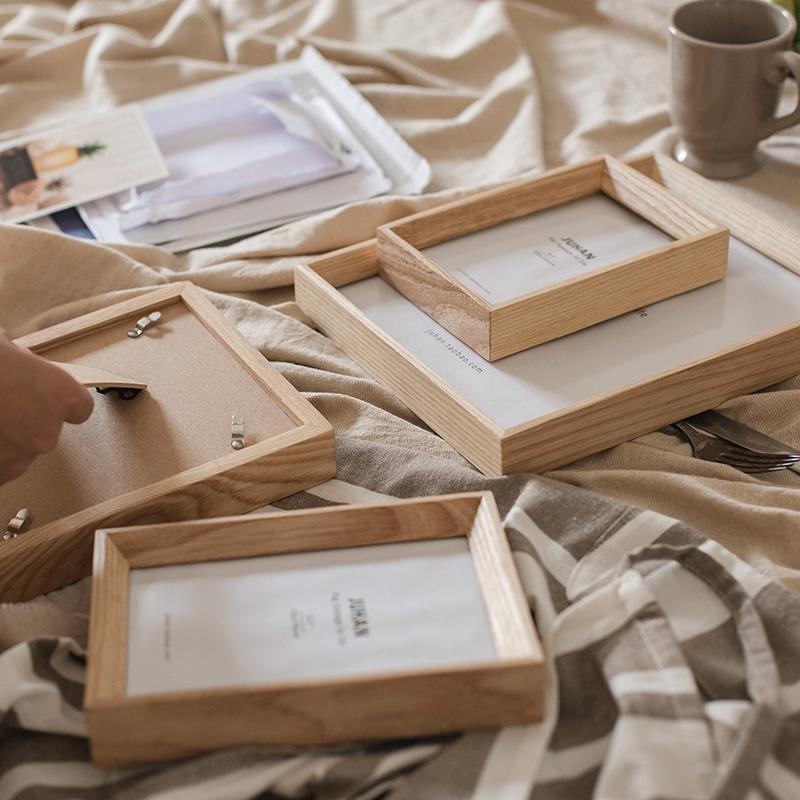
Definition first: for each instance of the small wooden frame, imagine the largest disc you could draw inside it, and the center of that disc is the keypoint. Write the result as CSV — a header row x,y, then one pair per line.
x,y
165,455
126,728
496,329
709,370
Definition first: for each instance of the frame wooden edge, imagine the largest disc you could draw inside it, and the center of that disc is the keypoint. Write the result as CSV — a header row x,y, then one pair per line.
x,y
758,230
496,330
654,202
686,390
299,410
346,265
106,668
608,292
362,524
391,245
747,223
131,729
390,363
54,335
257,366
311,714
118,550
39,560
512,626
429,287
502,203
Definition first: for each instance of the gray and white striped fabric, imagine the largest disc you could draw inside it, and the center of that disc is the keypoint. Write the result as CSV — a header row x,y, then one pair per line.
x,y
673,672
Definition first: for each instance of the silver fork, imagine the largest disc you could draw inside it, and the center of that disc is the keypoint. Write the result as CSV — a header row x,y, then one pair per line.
x,y
710,448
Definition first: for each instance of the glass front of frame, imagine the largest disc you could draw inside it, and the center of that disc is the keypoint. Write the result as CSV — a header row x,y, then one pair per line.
x,y
757,297
509,260
304,616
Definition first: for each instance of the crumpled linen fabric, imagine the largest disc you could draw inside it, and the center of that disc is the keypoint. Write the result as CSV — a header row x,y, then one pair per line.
x,y
671,670
485,91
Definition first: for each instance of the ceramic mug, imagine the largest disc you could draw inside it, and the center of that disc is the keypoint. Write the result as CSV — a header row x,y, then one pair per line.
x,y
728,59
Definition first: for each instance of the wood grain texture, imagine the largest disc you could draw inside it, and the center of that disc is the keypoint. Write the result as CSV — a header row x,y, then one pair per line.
x,y
108,622
508,690
59,552
509,201
47,338
422,390
509,614
182,421
254,363
99,378
699,256
549,442
448,301
604,293
349,264
642,407
653,202
752,226
308,714
295,531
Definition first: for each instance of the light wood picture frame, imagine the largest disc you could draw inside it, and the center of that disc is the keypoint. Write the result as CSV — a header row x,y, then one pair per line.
x,y
697,256
126,728
603,418
56,550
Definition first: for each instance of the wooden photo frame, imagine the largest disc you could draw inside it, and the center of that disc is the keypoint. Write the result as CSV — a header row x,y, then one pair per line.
x,y
697,256
166,455
397,703
597,387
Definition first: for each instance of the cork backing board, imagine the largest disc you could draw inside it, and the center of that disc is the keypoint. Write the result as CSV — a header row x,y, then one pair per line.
x,y
182,420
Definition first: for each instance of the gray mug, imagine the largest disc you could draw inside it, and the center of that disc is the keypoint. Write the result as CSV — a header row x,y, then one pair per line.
x,y
728,59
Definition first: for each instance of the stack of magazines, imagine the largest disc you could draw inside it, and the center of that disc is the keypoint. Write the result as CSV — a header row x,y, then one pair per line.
x,y
246,153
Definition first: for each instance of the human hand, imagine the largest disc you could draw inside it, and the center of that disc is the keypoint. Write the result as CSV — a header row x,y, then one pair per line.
x,y
36,399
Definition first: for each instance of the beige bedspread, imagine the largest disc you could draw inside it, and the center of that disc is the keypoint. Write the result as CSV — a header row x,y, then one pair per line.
x,y
483,90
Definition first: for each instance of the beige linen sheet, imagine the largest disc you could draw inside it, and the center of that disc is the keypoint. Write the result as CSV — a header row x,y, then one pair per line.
x,y
483,90
693,691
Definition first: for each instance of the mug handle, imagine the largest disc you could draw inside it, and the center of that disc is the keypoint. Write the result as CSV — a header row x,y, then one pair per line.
x,y
776,73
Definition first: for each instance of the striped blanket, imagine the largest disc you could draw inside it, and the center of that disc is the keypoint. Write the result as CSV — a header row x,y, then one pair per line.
x,y
673,672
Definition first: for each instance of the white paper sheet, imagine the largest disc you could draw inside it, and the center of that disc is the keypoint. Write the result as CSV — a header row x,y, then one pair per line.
x,y
231,147
758,296
390,165
301,616
545,248
262,212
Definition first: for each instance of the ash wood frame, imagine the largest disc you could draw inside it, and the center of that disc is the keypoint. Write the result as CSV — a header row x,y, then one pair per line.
x,y
590,426
393,704
58,553
697,256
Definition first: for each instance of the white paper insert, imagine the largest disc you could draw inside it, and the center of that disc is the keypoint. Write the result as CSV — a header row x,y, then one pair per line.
x,y
757,296
350,611
542,249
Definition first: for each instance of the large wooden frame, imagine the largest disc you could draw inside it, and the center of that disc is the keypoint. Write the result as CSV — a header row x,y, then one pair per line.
x,y
57,553
125,729
698,256
550,441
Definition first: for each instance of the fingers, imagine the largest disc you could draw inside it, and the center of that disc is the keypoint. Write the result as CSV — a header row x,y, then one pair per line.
x,y
80,408
13,469
36,398
75,404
